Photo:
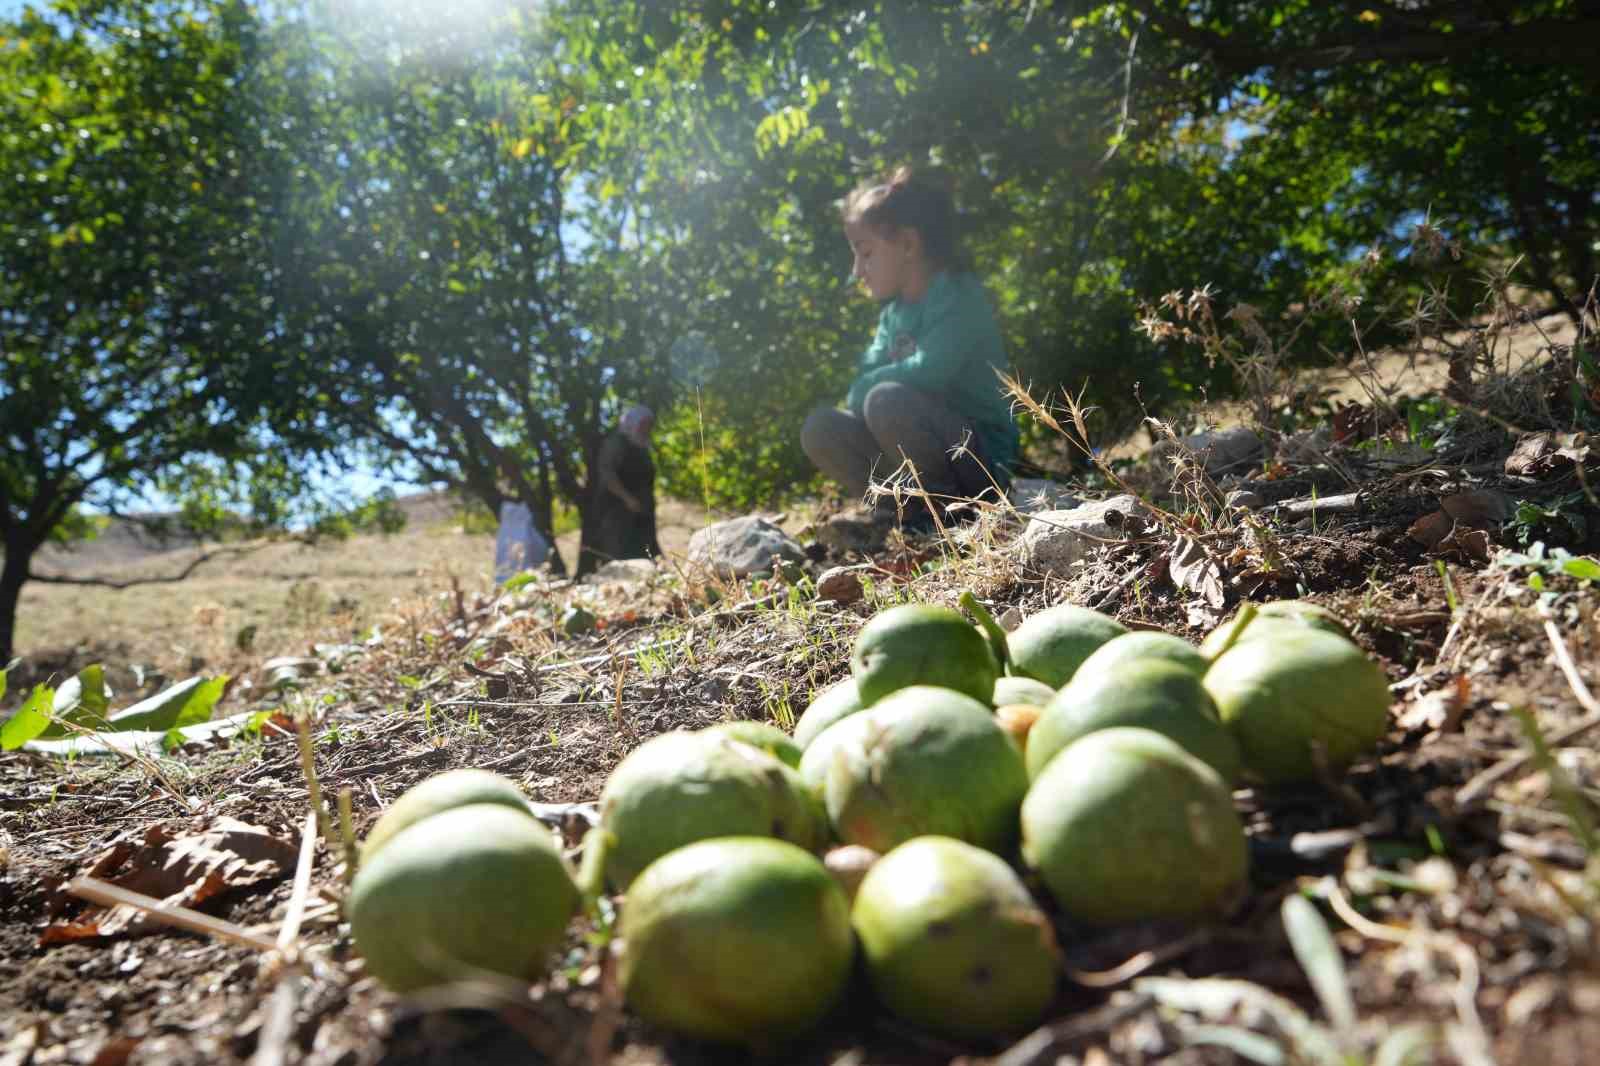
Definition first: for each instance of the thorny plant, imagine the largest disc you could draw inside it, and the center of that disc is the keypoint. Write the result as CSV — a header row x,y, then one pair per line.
x,y
1200,495
1488,374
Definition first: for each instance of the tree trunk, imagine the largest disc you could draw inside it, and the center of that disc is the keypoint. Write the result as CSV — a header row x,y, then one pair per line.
x,y
13,574
588,562
544,515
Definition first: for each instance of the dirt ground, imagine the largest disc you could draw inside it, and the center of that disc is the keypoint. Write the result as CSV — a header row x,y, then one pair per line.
x,y
277,599
1455,863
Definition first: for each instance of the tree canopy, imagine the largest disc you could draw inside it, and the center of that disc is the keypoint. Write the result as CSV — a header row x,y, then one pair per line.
x,y
135,333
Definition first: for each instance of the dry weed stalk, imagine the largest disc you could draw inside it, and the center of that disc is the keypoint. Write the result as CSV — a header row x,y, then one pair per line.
x,y
1481,785
284,965
1471,1042
1484,375
106,894
1192,480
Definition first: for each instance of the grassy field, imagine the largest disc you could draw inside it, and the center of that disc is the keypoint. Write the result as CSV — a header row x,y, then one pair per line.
x,y
277,599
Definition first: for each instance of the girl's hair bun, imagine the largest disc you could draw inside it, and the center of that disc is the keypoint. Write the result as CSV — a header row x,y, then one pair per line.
x,y
908,199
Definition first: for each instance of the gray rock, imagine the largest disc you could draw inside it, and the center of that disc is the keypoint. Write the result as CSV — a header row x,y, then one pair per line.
x,y
1033,495
861,530
1246,499
743,546
1219,450
1055,540
1310,446
624,570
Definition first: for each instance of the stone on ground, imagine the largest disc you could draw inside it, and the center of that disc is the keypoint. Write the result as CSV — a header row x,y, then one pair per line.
x,y
740,547
1054,540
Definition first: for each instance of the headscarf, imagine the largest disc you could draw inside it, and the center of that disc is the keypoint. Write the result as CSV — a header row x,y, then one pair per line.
x,y
636,423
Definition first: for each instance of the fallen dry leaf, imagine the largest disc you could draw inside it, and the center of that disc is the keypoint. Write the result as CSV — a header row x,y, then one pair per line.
x,y
116,1051
1540,454
1440,710
1202,615
1430,529
1465,545
184,870
1478,509
1193,569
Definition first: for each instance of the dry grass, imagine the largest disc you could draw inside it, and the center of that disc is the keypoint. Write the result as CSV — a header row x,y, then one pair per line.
x,y
235,612
1507,346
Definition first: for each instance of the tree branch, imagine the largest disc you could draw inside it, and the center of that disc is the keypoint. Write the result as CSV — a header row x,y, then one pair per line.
x,y
106,582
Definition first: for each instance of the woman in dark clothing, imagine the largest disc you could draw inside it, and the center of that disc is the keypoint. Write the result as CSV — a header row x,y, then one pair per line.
x,y
620,521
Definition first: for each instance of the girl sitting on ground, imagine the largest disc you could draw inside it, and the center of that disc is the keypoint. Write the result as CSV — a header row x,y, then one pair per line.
x,y
927,390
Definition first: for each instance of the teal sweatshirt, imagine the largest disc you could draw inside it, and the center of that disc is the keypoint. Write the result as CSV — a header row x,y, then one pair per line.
x,y
947,344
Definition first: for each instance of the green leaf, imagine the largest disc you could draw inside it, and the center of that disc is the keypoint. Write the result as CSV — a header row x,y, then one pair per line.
x,y
145,741
1319,956
29,720
1242,1042
517,581
1408,1045
185,703
80,701
1583,567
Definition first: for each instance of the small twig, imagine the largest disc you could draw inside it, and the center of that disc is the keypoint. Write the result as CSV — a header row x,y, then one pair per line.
x,y
108,895
296,909
1557,851
616,709
1343,503
308,766
1466,963
1570,669
608,1012
1047,1044
347,835
1139,963
1115,593
168,579
713,616
277,1027
514,705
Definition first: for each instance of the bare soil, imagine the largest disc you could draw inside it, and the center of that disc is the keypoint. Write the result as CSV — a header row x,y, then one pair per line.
x,y
1453,863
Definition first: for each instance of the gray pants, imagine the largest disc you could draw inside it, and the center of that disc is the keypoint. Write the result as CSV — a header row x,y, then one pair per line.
x,y
896,423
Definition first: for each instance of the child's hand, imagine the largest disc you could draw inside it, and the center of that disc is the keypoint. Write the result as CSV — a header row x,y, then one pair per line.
x,y
904,346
